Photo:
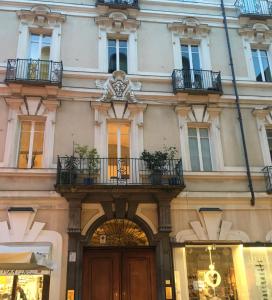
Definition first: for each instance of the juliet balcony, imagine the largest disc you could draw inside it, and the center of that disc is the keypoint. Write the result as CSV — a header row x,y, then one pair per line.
x,y
74,171
120,4
268,178
196,81
32,71
254,8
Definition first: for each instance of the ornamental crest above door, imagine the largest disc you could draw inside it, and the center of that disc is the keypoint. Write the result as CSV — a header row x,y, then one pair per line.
x,y
118,88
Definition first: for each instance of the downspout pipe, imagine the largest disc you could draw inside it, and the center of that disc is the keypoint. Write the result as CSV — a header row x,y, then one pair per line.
x,y
237,101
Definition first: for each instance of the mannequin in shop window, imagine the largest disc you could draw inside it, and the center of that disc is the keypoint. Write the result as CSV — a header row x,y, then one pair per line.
x,y
20,295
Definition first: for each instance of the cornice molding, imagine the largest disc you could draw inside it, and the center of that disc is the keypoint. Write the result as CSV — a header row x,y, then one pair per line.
x,y
257,33
41,16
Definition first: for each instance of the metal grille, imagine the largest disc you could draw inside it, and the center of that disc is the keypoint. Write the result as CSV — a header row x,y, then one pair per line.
x,y
119,232
255,7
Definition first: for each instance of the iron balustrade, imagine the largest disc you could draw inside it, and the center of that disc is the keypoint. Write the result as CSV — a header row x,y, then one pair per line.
x,y
119,3
254,7
34,71
117,171
268,178
198,80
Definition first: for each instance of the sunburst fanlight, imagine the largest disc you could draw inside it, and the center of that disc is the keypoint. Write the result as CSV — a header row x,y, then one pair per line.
x,y
119,232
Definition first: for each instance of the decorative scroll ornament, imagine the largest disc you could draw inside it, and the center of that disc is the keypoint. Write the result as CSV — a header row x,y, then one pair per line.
x,y
118,88
258,33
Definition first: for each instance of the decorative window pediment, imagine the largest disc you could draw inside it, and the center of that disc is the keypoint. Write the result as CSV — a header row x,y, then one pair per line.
x,y
257,33
117,22
211,226
118,88
40,16
190,28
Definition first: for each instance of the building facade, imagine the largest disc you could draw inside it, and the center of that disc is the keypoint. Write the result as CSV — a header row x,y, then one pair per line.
x,y
135,150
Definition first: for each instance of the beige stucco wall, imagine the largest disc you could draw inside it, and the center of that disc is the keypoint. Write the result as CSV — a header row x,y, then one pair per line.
x,y
79,45
155,51
160,128
74,122
3,126
231,138
8,35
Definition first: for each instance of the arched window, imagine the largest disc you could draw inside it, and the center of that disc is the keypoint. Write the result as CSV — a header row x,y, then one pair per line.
x,y
119,232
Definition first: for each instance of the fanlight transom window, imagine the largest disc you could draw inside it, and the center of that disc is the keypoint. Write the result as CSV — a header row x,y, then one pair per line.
x,y
119,232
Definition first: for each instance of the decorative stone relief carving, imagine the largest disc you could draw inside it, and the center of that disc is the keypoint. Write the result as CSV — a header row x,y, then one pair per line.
x,y
190,28
41,16
32,106
257,33
211,226
118,88
20,227
117,22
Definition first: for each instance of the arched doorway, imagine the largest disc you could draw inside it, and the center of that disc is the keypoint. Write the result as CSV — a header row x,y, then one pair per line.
x,y
119,263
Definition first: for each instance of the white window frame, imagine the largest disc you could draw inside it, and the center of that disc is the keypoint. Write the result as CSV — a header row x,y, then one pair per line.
x,y
17,108
41,35
191,55
200,155
31,141
261,63
200,116
117,40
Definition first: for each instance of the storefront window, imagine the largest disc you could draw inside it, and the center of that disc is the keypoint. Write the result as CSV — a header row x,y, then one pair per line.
x,y
22,287
258,265
208,271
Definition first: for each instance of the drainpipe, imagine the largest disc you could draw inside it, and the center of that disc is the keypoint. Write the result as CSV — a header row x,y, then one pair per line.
x,y
237,101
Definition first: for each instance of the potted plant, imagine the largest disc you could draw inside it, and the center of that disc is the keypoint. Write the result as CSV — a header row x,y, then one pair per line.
x,y
70,166
156,162
89,162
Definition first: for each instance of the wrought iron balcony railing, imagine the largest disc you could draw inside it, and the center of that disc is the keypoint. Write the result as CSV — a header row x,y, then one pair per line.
x,y
268,178
117,171
261,8
196,80
34,71
119,3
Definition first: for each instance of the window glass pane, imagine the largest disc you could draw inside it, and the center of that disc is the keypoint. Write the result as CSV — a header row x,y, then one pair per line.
x,y
37,153
206,155
256,65
24,144
112,55
29,287
269,139
125,142
34,46
123,55
46,40
194,154
195,58
6,283
199,284
265,63
192,132
203,132
185,57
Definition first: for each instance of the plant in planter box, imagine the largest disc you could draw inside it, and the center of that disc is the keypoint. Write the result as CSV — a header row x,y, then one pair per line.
x,y
157,162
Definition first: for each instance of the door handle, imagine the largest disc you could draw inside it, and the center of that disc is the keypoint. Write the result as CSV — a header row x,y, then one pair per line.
x,y
116,295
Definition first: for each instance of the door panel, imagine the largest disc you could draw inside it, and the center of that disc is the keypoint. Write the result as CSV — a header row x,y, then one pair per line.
x,y
119,274
139,276
101,279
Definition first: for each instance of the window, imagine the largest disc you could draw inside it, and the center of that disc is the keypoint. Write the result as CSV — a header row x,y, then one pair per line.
x,y
117,55
118,149
261,65
39,46
199,146
269,140
191,66
31,144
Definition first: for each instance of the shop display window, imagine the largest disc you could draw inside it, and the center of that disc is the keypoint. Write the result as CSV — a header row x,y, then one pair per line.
x,y
208,271
24,287
258,266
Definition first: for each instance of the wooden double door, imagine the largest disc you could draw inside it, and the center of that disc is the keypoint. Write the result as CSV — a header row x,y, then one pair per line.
x,y
119,274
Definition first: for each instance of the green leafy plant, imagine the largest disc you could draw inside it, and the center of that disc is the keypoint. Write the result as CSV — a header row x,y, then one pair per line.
x,y
93,161
157,160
